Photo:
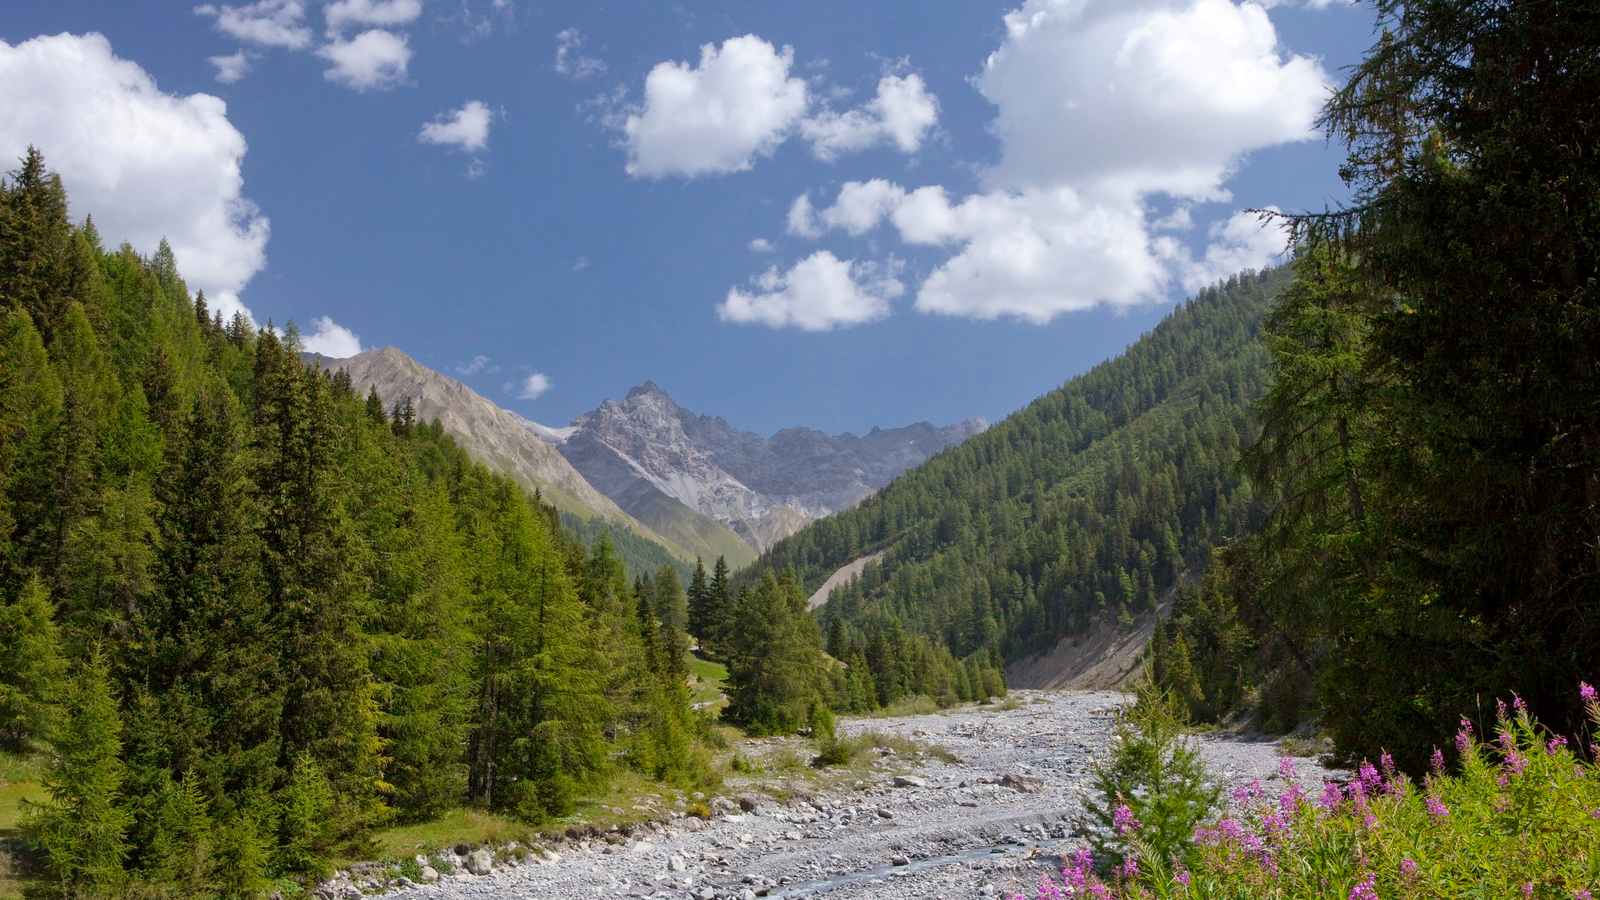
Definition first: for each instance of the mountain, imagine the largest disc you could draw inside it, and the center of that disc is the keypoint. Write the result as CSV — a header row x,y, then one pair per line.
x,y
671,468
1074,515
496,437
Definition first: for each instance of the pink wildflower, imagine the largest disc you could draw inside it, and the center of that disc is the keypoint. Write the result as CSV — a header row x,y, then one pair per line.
x,y
1527,889
1554,744
1582,894
1586,692
1332,796
1286,768
1386,762
1520,704
1500,710
1123,821
1130,868
1408,867
1183,877
1516,762
1436,762
1370,780
1289,801
1366,889
1436,807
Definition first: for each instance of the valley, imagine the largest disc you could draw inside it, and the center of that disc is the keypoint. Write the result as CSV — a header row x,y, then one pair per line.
x,y
969,802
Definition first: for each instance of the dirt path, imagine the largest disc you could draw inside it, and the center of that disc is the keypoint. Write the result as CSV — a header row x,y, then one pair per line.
x,y
917,827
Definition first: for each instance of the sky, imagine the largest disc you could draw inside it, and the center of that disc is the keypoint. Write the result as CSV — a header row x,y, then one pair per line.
x,y
828,214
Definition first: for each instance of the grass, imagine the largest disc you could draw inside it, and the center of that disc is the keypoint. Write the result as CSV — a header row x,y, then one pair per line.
x,y
706,682
919,705
19,782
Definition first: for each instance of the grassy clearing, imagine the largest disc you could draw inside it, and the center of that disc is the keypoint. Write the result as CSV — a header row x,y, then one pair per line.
x,y
919,705
707,680
19,782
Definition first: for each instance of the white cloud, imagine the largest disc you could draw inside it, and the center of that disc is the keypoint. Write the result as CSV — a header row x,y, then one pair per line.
x,y
329,338
802,220
381,13
466,128
477,364
476,169
1102,106
1243,241
372,60
570,60
580,264
232,67
761,245
739,103
146,164
902,113
819,293
270,23
529,388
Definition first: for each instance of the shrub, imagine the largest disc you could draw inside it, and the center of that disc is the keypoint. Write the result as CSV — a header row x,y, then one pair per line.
x,y
1519,818
1153,783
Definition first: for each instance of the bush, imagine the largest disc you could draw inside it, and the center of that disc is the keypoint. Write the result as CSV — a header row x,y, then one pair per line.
x,y
1519,818
1153,783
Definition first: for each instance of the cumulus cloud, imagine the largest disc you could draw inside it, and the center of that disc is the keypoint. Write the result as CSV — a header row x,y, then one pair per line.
x,y
329,338
466,128
232,67
761,245
1102,107
529,388
570,59
720,115
372,60
270,23
342,14
901,113
819,293
145,163
1242,241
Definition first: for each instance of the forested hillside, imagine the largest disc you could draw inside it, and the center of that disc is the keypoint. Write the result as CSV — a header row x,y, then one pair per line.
x,y
250,614
1087,505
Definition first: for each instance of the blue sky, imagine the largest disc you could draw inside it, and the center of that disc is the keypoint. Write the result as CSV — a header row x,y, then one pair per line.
x,y
1000,194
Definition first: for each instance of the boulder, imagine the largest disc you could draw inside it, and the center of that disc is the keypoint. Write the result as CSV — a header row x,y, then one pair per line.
x,y
480,862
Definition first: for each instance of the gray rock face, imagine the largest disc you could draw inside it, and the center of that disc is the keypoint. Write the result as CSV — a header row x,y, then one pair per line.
x,y
496,437
646,446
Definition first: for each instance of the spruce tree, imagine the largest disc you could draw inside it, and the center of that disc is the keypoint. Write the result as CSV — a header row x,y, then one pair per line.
x,y
32,670
80,828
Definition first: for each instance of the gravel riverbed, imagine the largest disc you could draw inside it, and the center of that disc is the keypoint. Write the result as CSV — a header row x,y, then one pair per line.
x,y
985,825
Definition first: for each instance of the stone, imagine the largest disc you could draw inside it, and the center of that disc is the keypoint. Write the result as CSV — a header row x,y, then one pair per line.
x,y
909,781
429,875
480,862
899,859
675,863
884,813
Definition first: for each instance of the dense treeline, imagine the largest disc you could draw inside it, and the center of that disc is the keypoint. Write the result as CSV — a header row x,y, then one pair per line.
x,y
1087,506
250,615
1432,437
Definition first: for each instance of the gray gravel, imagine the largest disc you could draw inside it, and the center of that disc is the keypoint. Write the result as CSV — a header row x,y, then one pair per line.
x,y
986,825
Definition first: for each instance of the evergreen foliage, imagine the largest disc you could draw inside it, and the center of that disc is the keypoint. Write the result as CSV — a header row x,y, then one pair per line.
x,y
252,615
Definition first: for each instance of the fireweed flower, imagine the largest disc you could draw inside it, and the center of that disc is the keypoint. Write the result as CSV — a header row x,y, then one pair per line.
x,y
1123,820
1527,889
1582,894
1436,762
1586,692
1436,807
1332,796
1366,889
1516,762
1286,768
1500,710
1183,877
1464,736
1370,779
1520,704
1554,744
1386,762
1289,801
1130,868
1408,867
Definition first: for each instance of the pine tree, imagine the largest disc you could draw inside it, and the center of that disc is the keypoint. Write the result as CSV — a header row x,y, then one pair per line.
x,y
32,670
699,595
81,827
671,610
775,663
